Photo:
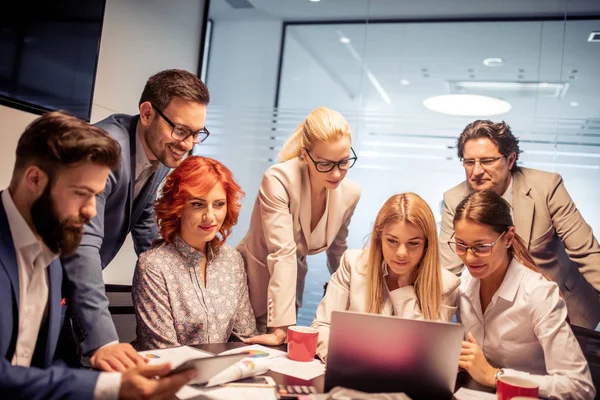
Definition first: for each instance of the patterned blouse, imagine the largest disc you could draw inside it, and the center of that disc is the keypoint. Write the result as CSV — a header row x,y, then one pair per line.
x,y
172,306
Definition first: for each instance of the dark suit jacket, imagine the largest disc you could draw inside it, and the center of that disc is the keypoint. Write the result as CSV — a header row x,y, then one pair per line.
x,y
48,377
560,241
117,215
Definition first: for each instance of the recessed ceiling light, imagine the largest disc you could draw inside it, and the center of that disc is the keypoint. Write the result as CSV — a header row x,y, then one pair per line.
x,y
314,1
345,39
493,62
404,82
471,105
574,104
594,36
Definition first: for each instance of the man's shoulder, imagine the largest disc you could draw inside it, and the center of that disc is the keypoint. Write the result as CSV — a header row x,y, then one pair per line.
x,y
542,182
118,125
454,196
536,175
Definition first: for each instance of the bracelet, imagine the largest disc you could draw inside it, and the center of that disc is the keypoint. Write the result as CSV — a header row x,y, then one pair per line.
x,y
498,374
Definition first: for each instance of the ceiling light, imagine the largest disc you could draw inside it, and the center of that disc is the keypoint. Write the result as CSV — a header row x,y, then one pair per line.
x,y
594,37
404,82
493,62
315,1
345,39
574,104
470,105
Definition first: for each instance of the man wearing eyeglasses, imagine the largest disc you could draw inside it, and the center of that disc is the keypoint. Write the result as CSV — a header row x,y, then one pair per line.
x,y
171,121
560,241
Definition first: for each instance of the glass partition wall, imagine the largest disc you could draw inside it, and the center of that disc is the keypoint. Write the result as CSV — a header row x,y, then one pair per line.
x,y
398,72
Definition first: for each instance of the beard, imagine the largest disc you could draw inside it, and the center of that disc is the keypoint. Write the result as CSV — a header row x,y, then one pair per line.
x,y
61,236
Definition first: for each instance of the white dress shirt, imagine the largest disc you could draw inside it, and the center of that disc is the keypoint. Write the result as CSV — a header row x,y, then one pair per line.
x,y
33,258
143,166
524,331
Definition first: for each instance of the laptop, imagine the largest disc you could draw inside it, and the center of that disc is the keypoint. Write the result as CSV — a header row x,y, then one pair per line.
x,y
377,353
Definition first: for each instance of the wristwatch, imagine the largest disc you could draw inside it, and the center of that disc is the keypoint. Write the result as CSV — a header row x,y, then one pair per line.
x,y
497,375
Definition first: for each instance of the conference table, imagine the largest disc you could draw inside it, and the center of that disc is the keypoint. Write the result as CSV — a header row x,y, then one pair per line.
x,y
463,378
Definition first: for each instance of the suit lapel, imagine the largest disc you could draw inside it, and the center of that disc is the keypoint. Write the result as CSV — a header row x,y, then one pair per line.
x,y
132,165
523,207
305,205
54,307
8,257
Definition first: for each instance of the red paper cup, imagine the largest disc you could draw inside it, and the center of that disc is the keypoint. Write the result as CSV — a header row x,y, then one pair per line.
x,y
509,387
302,343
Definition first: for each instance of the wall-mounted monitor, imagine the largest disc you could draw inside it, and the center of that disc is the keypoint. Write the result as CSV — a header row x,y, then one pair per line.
x,y
48,55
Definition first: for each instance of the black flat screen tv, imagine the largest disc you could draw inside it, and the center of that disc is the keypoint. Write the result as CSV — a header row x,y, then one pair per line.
x,y
49,53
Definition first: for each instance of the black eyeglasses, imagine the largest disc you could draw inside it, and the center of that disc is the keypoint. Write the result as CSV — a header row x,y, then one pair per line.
x,y
484,162
327,166
181,133
480,250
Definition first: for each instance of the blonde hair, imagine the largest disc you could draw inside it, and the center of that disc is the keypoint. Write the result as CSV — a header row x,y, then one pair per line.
x,y
321,125
407,207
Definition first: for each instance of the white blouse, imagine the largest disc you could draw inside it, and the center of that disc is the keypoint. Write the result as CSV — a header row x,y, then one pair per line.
x,y
347,291
524,331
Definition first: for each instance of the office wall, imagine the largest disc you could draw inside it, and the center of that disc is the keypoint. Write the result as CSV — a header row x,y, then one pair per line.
x,y
13,122
139,38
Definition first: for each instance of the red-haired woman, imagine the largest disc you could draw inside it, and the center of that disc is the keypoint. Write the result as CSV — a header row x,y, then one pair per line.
x,y
191,287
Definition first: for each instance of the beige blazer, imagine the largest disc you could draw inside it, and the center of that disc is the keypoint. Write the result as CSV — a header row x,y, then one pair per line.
x,y
347,291
559,240
276,245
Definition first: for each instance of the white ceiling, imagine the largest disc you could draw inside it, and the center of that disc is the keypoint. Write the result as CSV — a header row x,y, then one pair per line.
x,y
305,10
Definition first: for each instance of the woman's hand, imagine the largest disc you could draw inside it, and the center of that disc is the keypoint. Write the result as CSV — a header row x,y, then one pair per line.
x,y
275,337
474,362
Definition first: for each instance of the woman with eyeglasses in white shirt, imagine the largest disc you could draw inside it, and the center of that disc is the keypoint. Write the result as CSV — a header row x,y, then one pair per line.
x,y
515,319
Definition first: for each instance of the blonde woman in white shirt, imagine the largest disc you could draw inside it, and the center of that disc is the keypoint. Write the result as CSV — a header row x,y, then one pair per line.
x,y
514,317
399,274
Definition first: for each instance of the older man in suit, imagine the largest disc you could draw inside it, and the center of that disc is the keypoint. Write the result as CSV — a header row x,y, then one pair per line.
x,y
171,121
559,240
62,164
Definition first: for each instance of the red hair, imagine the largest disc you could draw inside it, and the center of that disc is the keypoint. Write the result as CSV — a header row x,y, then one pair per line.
x,y
195,177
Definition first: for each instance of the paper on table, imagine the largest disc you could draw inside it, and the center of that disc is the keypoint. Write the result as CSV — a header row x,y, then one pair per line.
x,y
175,355
470,394
226,393
257,351
298,369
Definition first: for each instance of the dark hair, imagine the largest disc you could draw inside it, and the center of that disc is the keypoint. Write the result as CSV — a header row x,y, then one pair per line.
x,y
163,86
56,140
488,208
499,133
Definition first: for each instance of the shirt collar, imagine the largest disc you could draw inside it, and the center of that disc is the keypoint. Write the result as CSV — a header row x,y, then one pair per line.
x,y
141,158
508,288
384,269
508,193
190,254
512,279
22,235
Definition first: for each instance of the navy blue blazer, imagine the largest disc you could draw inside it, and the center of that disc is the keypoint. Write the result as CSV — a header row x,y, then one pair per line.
x,y
49,376
117,215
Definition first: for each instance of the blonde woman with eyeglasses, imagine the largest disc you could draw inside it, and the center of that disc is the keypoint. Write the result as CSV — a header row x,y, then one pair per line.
x,y
399,273
303,207
515,319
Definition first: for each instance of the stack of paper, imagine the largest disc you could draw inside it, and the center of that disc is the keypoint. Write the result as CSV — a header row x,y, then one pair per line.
x,y
278,361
